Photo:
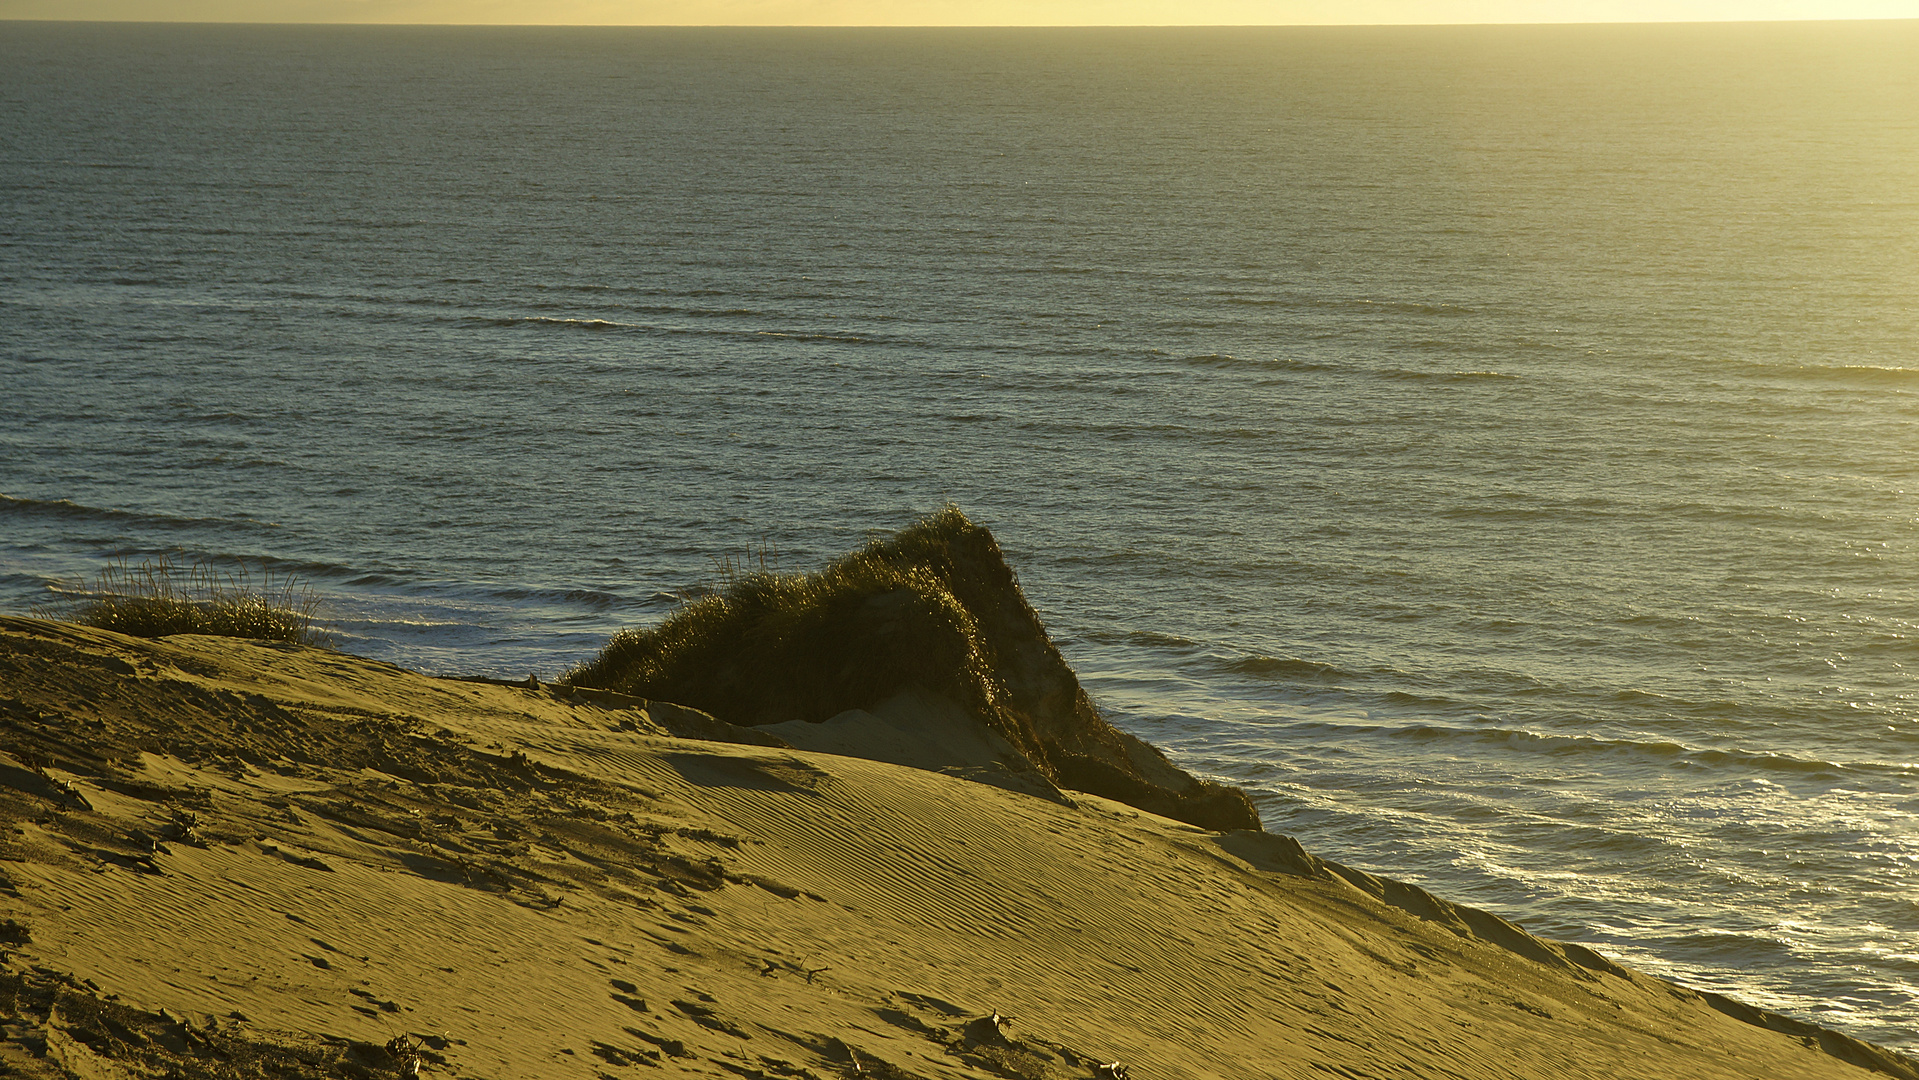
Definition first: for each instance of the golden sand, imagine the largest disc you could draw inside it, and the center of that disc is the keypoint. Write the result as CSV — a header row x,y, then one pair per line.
x,y
225,858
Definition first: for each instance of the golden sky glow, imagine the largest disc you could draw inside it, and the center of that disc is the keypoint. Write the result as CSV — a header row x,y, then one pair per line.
x,y
953,12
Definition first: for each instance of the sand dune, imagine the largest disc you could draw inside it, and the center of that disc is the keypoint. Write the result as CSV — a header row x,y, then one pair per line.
x,y
224,858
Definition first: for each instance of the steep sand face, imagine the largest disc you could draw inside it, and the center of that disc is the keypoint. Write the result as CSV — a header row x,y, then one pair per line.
x,y
1042,696
228,859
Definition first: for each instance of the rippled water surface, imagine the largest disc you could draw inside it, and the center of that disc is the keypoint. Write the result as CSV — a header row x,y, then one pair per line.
x,y
1494,447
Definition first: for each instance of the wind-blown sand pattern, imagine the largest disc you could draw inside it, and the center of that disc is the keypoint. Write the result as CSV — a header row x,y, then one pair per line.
x,y
225,858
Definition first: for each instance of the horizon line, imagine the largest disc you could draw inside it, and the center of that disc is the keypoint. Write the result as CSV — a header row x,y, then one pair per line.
x,y
976,26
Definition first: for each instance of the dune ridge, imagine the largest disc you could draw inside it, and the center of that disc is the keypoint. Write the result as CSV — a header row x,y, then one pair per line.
x,y
935,609
225,858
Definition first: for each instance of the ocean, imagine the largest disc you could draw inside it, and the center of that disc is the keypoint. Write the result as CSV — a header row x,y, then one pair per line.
x,y
1496,448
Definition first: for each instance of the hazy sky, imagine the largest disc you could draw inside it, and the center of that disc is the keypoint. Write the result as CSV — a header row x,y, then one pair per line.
x,y
953,12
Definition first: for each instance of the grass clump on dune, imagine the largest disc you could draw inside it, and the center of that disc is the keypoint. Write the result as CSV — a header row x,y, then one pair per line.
x,y
934,606
161,597
769,647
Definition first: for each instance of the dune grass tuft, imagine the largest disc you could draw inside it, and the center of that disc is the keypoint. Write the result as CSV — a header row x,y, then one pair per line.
x,y
161,597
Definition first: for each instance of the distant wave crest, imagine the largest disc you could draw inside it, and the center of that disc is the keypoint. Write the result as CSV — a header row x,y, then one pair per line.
x,y
1844,374
1443,376
1666,751
73,511
1287,667
1246,363
568,324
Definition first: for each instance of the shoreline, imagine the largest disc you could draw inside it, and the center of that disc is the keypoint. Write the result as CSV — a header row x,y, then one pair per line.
x,y
217,846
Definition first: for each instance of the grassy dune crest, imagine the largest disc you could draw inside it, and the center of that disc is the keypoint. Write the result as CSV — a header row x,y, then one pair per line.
x,y
771,647
934,606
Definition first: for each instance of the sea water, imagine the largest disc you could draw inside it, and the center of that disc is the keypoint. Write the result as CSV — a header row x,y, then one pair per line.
x,y
1492,447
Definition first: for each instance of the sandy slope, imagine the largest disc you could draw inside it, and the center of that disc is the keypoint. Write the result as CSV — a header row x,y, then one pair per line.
x,y
231,859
